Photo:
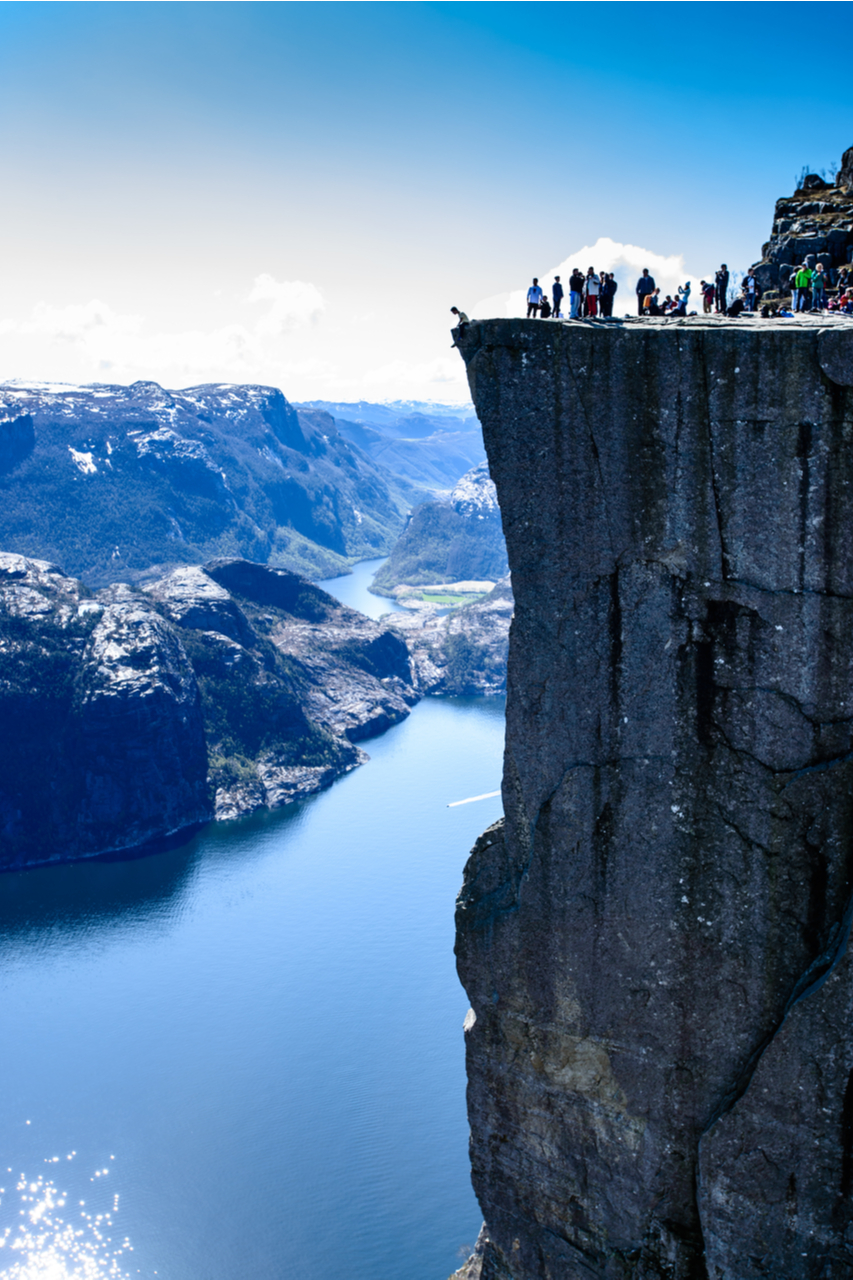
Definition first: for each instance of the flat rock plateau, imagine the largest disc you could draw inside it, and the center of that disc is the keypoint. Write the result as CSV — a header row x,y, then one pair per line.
x,y
654,941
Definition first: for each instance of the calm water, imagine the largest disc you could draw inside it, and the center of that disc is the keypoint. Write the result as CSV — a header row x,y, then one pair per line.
x,y
255,1041
352,589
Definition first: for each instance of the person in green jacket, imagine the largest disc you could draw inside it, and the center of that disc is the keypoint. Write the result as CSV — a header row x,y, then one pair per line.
x,y
802,284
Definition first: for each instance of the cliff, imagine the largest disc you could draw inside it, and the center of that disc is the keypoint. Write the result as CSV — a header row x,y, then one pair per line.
x,y
119,483
815,223
654,942
128,718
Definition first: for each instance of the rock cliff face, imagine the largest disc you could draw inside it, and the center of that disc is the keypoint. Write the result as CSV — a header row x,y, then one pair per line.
x,y
119,483
127,718
654,944
816,221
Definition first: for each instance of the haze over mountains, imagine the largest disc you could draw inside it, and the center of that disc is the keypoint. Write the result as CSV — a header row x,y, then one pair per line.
x,y
429,444
114,483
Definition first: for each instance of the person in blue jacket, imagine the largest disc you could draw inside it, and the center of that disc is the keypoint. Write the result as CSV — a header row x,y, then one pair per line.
x,y
645,286
557,297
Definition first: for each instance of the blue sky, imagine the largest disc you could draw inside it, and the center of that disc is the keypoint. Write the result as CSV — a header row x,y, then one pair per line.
x,y
296,193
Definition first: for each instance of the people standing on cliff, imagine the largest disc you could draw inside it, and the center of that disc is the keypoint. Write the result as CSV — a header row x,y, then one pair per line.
x,y
708,292
749,287
802,284
534,298
557,298
645,286
608,293
575,293
721,283
818,288
591,289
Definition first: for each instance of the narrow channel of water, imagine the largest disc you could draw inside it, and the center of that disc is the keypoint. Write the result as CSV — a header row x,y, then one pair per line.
x,y
352,589
255,1041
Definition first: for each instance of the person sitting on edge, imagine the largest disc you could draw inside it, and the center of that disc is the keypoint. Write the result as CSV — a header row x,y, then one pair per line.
x,y
462,322
575,293
544,309
591,288
534,298
557,298
645,286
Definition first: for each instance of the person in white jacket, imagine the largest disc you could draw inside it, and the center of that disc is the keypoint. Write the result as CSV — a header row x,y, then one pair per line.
x,y
591,290
534,299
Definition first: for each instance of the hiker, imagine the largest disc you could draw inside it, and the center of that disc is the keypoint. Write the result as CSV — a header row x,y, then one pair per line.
x,y
645,286
707,296
534,298
749,287
557,298
591,289
462,322
683,299
721,288
575,293
608,292
544,309
818,288
651,304
802,284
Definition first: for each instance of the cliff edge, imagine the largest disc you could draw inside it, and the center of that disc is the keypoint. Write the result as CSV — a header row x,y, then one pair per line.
x,y
654,944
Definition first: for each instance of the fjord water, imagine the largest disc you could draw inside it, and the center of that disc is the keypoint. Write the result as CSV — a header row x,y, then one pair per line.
x,y
352,589
255,1041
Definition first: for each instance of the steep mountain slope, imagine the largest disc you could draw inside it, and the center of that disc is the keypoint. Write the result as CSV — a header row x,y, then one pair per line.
x,y
429,445
118,482
452,541
128,717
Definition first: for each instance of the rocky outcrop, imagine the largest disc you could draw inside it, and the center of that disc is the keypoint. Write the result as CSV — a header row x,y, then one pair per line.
x,y
463,651
450,541
119,483
654,943
815,223
127,718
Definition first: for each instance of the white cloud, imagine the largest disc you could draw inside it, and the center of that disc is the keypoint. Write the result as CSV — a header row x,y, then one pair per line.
x,y
626,261
294,304
396,379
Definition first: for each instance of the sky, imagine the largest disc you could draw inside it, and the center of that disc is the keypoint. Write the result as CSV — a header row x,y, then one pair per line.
x,y
296,193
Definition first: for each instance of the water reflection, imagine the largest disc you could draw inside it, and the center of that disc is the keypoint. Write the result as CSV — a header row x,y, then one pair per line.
x,y
45,1235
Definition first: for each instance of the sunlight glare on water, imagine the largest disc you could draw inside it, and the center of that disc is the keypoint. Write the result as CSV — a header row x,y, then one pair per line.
x,y
42,1238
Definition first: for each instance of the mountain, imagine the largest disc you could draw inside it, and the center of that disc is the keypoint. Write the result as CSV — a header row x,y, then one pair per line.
x,y
130,717
815,224
428,445
118,483
457,540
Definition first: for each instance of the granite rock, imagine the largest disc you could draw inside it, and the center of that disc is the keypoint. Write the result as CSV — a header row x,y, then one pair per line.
x,y
653,942
127,718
